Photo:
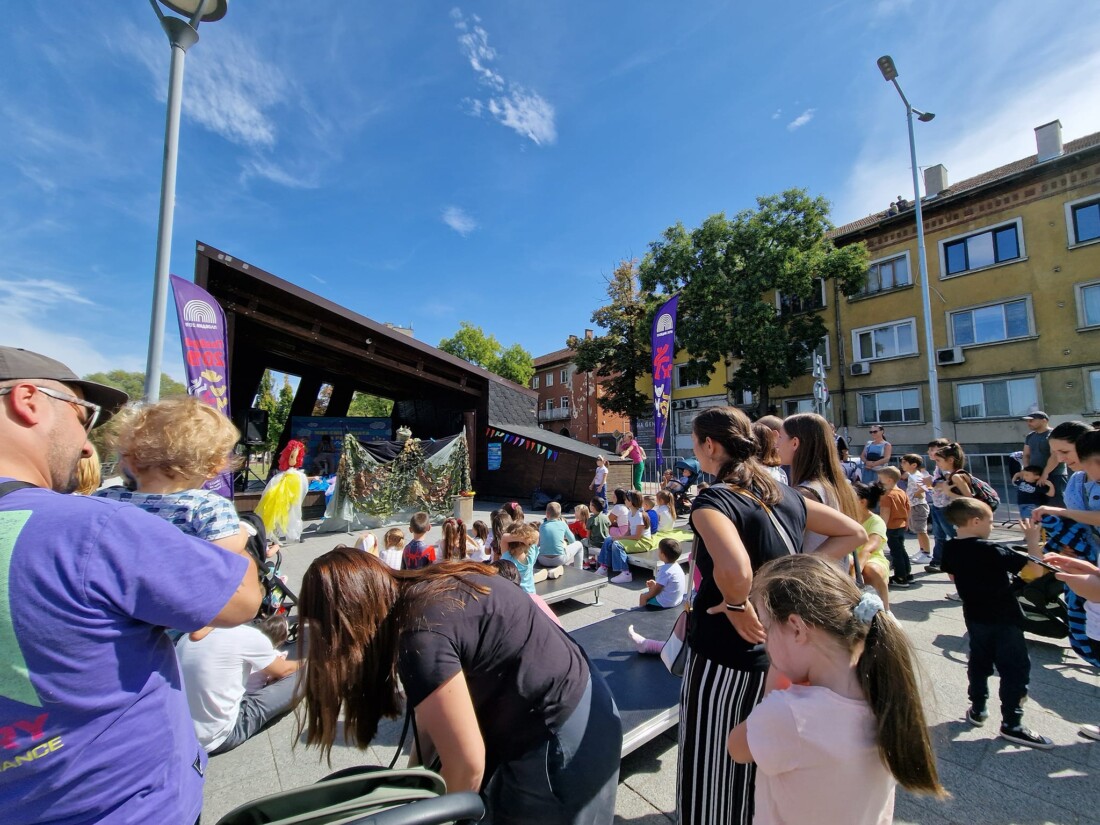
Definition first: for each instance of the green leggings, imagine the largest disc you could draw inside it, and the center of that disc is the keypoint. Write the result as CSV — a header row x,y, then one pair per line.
x,y
639,469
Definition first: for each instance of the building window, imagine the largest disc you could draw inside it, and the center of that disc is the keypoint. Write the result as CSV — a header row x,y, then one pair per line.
x,y
564,375
550,379
886,274
886,341
1088,304
987,324
982,249
549,404
681,382
793,406
1092,386
890,406
1083,220
684,420
821,349
790,304
565,402
1008,398
535,383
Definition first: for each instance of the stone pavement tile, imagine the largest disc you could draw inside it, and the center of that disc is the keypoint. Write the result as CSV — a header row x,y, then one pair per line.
x,y
633,809
991,801
650,771
909,809
231,769
1049,775
217,803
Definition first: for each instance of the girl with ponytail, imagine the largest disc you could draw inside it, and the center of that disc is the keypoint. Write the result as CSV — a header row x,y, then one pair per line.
x,y
744,520
831,747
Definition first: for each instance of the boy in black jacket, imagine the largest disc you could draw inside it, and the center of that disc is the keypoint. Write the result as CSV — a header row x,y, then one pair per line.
x,y
981,571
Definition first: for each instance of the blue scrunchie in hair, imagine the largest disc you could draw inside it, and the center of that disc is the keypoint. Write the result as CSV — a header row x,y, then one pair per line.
x,y
869,605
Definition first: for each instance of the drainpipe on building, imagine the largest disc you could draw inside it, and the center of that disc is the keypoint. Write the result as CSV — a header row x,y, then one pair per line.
x,y
840,357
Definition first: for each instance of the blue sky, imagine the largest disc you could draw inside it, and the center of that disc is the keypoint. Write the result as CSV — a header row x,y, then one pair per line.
x,y
424,163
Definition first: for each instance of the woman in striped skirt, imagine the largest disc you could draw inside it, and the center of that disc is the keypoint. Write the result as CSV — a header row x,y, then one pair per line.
x,y
740,523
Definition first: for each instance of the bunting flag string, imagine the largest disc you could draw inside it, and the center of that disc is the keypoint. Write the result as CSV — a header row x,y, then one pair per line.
x,y
526,443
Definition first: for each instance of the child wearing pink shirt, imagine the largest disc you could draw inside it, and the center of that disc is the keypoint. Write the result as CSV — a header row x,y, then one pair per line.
x,y
831,747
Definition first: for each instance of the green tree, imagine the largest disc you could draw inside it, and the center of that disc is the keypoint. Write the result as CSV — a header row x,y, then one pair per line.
x,y
472,344
516,364
364,405
278,417
621,356
133,383
265,400
728,272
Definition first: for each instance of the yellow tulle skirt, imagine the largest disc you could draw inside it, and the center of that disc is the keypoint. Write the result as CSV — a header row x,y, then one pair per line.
x,y
280,505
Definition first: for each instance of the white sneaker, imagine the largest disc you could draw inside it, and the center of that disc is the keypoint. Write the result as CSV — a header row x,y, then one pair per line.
x,y
601,570
623,578
1091,731
921,558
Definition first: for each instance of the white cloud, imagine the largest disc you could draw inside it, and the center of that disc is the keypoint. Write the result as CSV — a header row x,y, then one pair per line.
x,y
459,220
776,114
263,168
522,110
801,120
990,126
229,88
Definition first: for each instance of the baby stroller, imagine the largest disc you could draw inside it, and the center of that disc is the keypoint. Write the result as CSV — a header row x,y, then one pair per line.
x,y
278,599
686,473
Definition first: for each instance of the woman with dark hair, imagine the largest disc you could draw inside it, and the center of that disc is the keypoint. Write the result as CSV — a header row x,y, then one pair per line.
x,y
876,453
504,700
767,453
806,444
724,679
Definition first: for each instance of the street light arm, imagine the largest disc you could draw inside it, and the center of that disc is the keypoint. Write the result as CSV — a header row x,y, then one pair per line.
x,y
904,99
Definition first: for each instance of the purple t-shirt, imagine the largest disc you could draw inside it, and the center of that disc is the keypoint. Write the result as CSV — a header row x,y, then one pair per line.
x,y
94,725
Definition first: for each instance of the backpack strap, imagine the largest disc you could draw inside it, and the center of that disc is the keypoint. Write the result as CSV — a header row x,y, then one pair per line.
x,y
12,486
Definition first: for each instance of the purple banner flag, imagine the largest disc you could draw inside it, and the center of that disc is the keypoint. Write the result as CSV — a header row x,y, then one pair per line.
x,y
205,352
664,349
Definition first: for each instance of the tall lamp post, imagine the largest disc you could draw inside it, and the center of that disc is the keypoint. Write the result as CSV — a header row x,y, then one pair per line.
x,y
890,73
182,34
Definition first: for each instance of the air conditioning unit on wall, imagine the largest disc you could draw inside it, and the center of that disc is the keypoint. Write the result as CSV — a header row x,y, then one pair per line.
x,y
950,355
861,368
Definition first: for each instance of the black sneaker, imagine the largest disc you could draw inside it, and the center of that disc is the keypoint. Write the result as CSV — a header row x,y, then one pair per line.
x,y
898,581
932,568
1029,739
976,718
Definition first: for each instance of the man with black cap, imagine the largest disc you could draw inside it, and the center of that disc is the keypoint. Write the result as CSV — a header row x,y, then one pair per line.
x,y
1037,454
94,725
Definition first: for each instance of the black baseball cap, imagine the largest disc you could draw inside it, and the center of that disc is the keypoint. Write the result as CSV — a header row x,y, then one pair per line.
x,y
22,364
1036,414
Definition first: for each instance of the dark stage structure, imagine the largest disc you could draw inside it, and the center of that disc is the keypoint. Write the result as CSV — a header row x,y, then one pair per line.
x,y
274,324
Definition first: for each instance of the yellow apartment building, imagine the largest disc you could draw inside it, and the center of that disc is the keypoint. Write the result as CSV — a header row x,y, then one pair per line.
x,y
1014,269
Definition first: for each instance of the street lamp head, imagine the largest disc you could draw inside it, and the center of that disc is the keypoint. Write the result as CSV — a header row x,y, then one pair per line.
x,y
923,117
887,67
211,10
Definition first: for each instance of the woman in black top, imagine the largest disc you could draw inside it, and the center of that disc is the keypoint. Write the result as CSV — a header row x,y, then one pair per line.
x,y
725,675
504,698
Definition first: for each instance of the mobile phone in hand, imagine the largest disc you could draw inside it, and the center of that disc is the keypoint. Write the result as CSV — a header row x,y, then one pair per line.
x,y
1042,563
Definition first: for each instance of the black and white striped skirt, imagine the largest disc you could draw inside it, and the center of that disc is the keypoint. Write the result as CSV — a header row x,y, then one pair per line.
x,y
712,788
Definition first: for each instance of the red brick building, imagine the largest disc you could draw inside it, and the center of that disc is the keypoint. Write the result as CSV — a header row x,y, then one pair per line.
x,y
569,401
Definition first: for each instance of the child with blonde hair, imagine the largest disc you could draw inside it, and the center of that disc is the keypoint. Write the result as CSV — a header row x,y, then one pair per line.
x,y
394,543
522,549
831,747
666,511
89,474
171,449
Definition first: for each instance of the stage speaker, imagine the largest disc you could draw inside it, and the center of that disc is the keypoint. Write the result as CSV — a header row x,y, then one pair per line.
x,y
253,426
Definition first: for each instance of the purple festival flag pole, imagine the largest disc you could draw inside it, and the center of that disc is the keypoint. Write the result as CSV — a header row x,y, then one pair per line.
x,y
205,354
664,349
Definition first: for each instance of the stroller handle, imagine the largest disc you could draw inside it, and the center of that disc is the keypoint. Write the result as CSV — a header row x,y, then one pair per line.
x,y
437,811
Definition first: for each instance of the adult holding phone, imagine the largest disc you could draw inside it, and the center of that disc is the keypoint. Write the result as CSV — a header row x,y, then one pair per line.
x,y
741,522
505,700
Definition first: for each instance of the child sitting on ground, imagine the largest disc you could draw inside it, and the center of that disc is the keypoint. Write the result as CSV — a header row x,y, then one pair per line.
x,y
872,560
479,551
393,542
981,571
599,527
831,747
171,449
522,549
667,588
894,510
1030,491
418,554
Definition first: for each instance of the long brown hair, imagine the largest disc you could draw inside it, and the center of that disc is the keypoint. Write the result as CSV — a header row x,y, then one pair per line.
x,y
731,428
354,608
453,543
765,445
816,460
825,598
954,453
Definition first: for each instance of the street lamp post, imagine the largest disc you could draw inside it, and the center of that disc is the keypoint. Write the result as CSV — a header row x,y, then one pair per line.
x,y
182,34
890,73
